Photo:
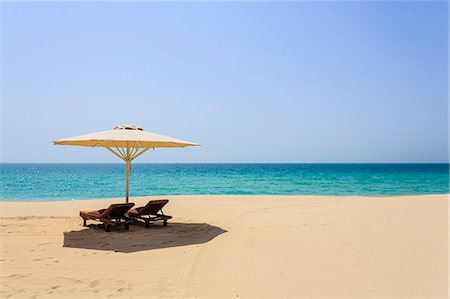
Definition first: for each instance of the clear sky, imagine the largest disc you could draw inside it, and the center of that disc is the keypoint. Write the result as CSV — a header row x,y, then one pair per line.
x,y
250,81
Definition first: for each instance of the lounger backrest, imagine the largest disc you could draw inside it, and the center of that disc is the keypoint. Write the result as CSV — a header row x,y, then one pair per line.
x,y
116,210
154,206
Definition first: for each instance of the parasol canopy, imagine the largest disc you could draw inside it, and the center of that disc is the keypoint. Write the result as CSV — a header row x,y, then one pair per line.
x,y
126,142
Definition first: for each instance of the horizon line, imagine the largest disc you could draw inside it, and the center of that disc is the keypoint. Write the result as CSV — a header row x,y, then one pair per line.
x,y
226,163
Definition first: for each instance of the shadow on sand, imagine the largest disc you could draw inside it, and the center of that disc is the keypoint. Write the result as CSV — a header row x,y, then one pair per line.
x,y
139,238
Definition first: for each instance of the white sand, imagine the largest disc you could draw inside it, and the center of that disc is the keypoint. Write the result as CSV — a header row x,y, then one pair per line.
x,y
231,246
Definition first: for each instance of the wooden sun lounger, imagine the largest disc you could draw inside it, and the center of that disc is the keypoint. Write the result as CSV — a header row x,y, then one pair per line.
x,y
112,216
151,212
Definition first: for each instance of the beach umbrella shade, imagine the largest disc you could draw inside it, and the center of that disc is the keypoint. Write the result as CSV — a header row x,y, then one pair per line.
x,y
126,142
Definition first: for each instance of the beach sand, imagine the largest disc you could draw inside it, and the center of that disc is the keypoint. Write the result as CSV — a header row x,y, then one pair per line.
x,y
231,246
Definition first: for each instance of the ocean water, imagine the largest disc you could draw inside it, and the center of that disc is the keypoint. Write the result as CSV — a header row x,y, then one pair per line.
x,y
84,181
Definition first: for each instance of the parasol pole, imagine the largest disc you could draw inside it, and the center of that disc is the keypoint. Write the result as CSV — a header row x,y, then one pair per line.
x,y
128,168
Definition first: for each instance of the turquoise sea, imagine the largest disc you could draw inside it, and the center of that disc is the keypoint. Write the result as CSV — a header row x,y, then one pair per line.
x,y
27,182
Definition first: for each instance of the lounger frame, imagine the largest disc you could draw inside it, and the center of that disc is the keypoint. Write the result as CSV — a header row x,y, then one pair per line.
x,y
151,212
114,215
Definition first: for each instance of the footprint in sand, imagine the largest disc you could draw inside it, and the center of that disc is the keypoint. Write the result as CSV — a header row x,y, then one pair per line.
x,y
94,283
19,275
121,290
42,258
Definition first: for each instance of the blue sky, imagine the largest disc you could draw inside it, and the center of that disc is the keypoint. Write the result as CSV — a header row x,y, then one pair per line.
x,y
250,81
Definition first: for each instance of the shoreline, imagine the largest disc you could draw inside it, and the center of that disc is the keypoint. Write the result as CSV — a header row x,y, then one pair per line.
x,y
12,200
